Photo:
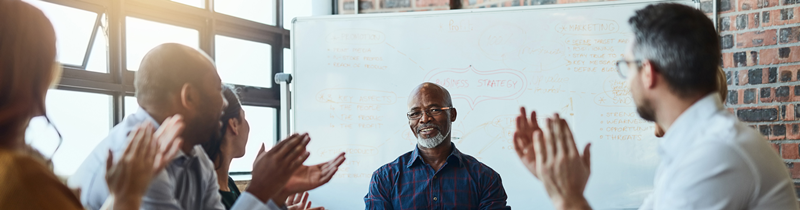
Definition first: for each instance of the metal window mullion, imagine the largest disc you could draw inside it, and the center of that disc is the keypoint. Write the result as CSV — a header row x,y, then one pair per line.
x,y
116,56
91,41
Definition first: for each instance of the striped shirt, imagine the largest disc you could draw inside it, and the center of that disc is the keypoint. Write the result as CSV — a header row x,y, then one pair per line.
x,y
461,183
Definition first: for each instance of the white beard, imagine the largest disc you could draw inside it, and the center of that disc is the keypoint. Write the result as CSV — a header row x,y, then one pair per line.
x,y
430,142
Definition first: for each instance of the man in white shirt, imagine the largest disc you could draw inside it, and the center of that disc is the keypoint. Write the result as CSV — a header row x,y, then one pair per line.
x,y
178,80
709,160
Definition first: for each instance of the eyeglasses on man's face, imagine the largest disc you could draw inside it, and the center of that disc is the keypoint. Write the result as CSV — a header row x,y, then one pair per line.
x,y
623,67
416,114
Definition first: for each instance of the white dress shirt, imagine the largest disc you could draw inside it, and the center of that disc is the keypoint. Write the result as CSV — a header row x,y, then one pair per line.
x,y
710,160
189,182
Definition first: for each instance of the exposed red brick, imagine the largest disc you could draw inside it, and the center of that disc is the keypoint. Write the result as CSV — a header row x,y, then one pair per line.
x,y
790,151
743,78
794,170
756,38
776,19
775,147
727,60
432,3
775,132
769,3
744,5
769,98
790,116
771,56
754,20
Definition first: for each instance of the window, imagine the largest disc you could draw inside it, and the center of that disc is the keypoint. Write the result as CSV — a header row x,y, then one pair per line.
x,y
262,11
144,35
83,120
194,3
73,30
98,56
243,62
131,105
100,64
262,130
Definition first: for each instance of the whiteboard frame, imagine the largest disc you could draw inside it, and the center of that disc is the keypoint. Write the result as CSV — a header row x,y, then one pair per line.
x,y
292,105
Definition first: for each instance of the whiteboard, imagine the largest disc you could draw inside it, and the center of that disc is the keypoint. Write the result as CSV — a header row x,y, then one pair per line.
x,y
353,75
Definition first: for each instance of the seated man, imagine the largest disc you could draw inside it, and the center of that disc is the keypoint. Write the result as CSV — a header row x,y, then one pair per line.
x,y
175,79
435,175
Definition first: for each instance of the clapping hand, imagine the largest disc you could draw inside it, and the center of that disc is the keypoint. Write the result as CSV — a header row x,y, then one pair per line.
x,y
552,157
300,201
146,155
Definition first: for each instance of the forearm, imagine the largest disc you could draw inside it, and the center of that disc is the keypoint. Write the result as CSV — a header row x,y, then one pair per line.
x,y
577,203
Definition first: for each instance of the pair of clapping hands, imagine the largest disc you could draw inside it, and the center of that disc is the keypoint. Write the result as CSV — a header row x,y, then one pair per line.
x,y
551,156
277,173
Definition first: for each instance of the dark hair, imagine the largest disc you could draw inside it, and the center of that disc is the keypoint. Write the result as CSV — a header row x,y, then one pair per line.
x,y
27,61
233,111
681,43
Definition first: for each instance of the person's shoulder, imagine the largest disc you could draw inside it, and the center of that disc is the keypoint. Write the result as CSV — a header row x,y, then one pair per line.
x,y
476,165
395,166
20,170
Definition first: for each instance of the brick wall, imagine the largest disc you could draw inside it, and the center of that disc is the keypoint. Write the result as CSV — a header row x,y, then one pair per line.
x,y
761,58
760,55
384,6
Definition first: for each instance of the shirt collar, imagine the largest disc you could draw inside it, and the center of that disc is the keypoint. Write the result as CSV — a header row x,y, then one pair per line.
x,y
678,137
143,116
455,155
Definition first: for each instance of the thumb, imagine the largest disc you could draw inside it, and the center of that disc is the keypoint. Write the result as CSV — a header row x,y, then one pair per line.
x,y
587,156
261,151
109,160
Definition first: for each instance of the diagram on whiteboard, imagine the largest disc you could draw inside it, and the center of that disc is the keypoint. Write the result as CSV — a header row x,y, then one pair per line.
x,y
353,77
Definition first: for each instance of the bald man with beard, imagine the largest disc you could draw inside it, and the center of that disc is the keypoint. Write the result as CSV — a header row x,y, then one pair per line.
x,y
176,80
435,175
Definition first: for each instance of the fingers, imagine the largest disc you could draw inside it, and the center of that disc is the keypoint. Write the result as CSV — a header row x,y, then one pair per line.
x,y
293,199
171,129
167,156
289,145
298,149
150,144
534,124
298,161
540,153
549,140
261,150
518,144
131,140
109,160
572,150
560,140
587,157
522,121
303,200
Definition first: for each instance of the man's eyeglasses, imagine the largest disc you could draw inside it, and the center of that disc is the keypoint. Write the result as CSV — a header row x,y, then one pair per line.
x,y
415,115
622,67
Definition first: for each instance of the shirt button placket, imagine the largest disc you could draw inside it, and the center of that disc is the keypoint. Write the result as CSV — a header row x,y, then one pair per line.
x,y
435,194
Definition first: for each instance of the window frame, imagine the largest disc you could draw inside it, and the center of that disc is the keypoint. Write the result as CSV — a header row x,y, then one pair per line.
x,y
118,81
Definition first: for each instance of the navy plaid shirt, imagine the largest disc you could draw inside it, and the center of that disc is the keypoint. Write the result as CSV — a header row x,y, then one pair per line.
x,y
461,183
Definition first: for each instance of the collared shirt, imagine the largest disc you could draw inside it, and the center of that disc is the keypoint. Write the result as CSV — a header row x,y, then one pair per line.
x,y
461,183
710,160
188,182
